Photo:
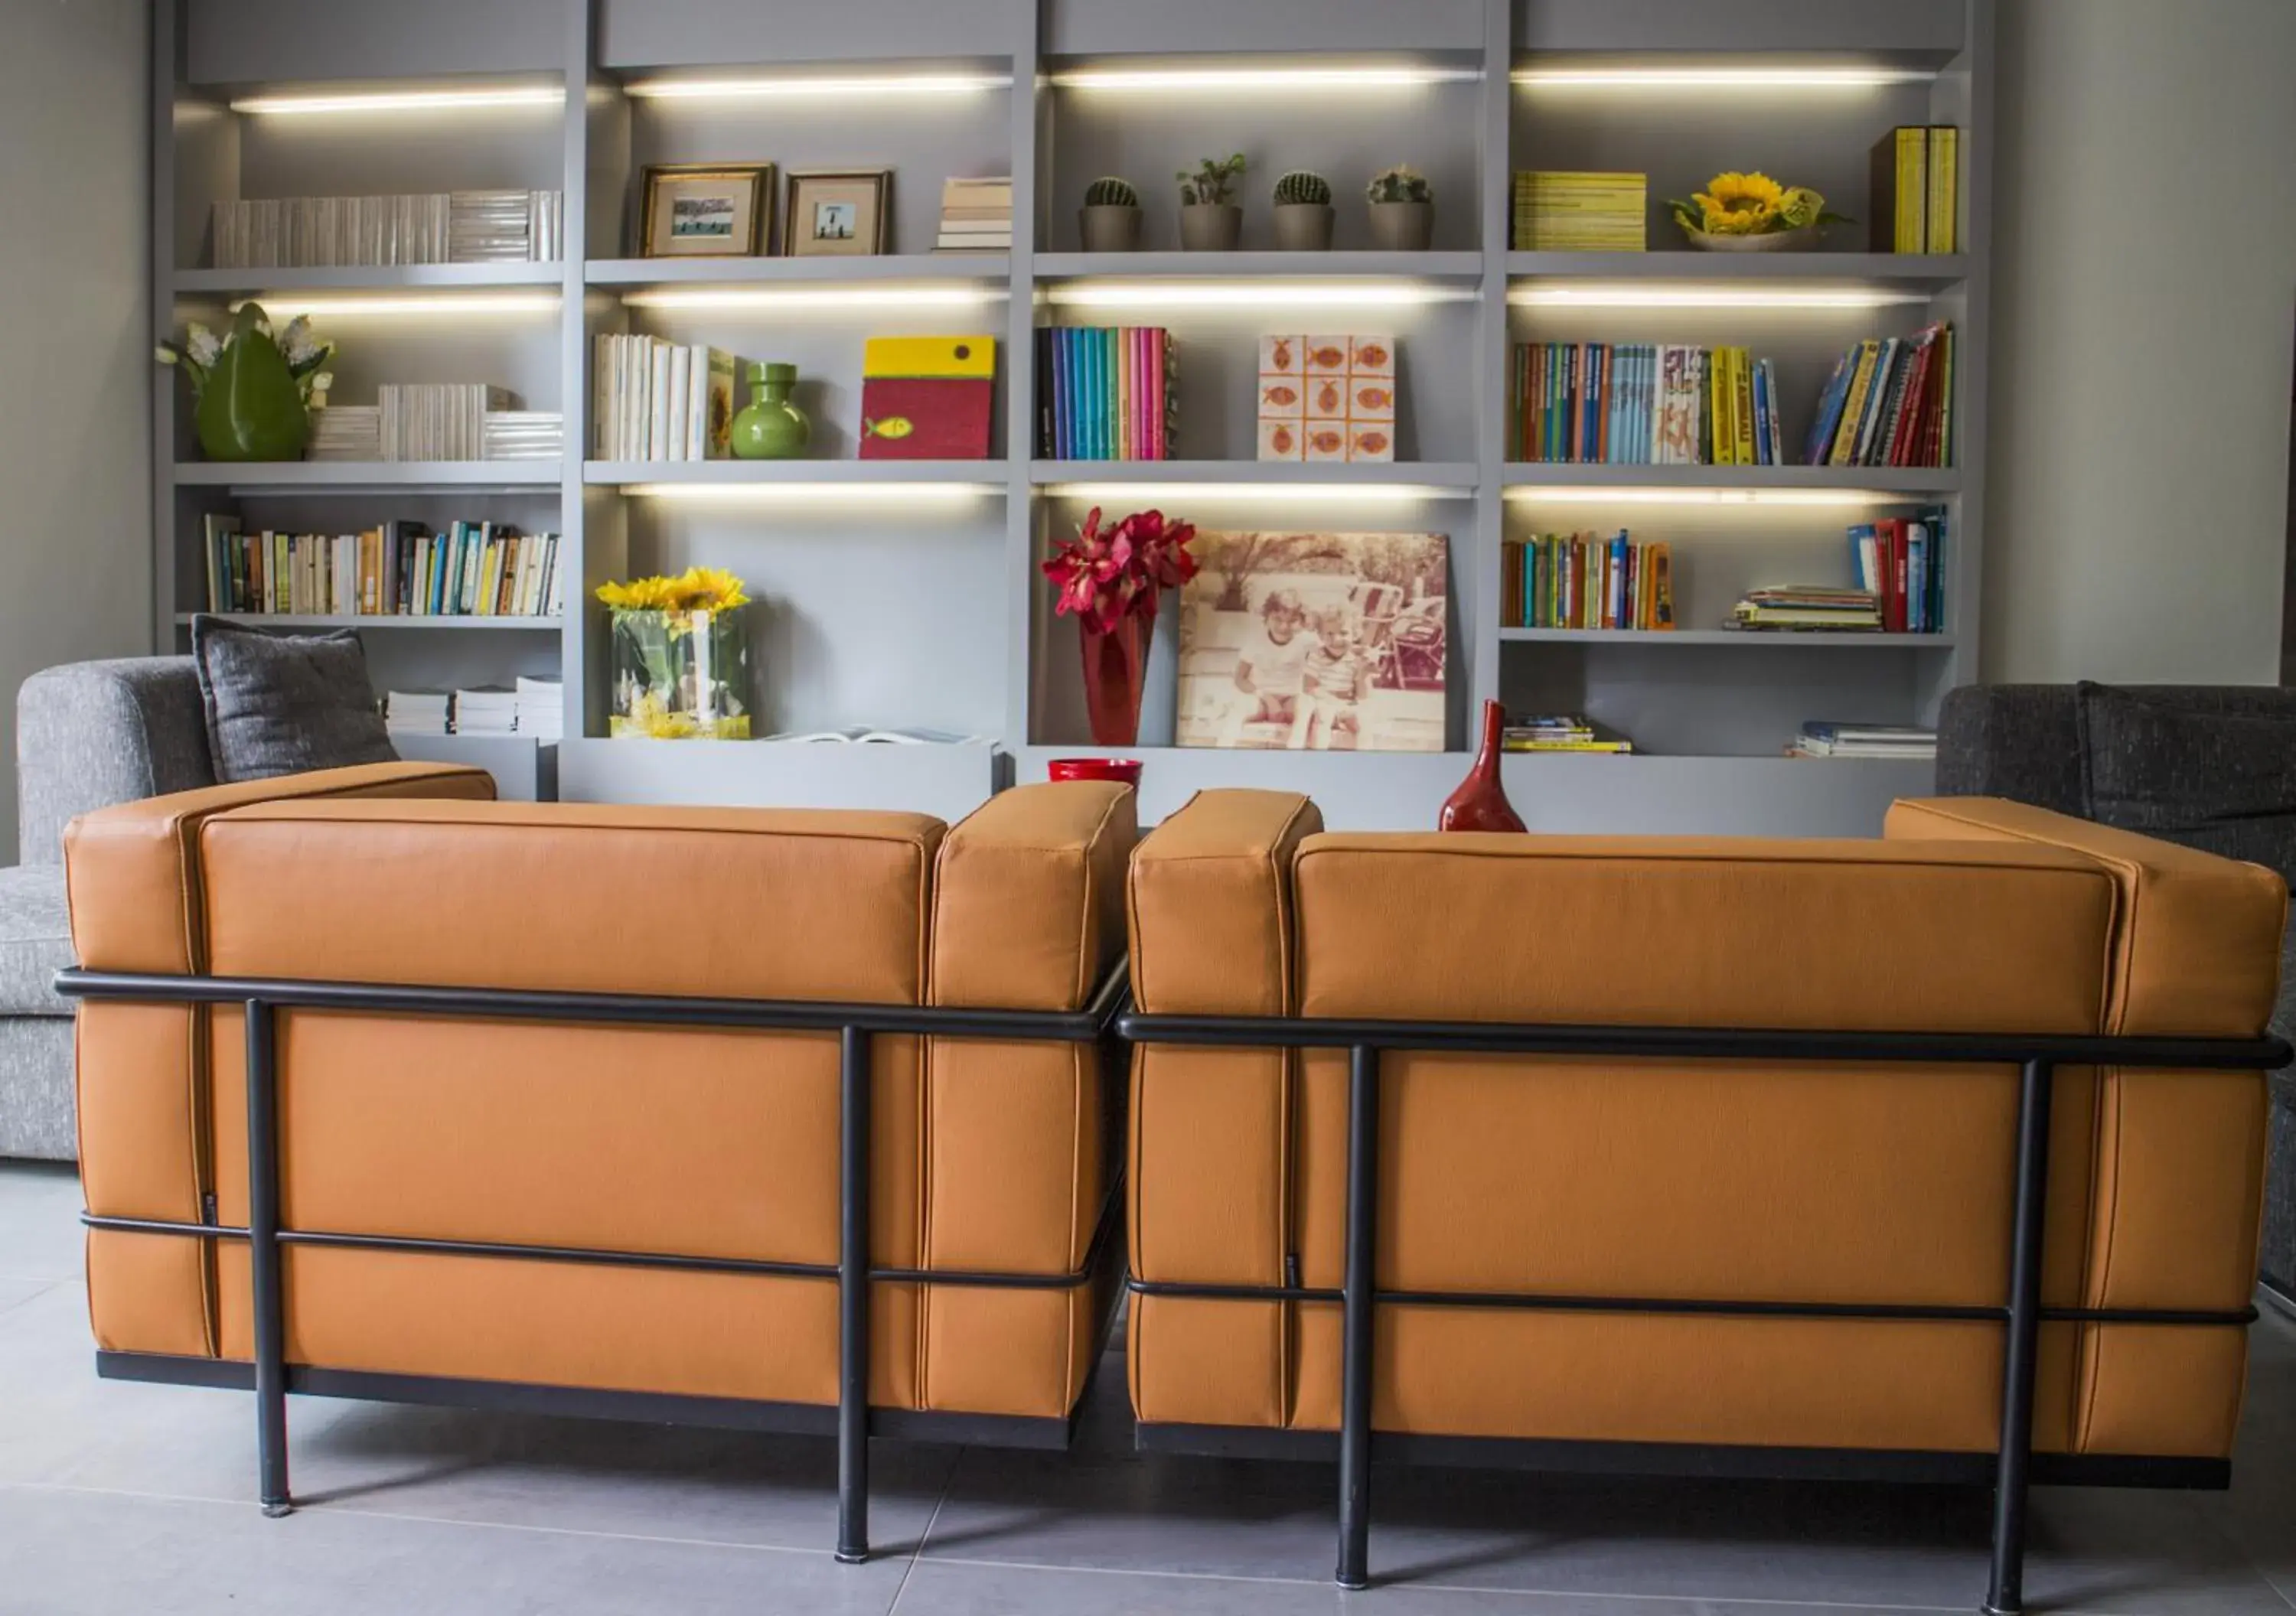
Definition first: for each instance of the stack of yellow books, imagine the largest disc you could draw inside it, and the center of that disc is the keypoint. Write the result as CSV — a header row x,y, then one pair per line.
x,y
1571,212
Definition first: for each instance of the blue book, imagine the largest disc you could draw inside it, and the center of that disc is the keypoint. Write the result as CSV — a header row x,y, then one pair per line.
x,y
1861,576
1917,578
1619,551
1761,415
1829,409
1057,383
1087,378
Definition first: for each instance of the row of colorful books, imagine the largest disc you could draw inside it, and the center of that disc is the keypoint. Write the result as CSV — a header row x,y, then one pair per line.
x,y
1889,402
1569,211
1586,580
1644,403
661,401
1916,190
480,570
1902,562
1104,392
1559,732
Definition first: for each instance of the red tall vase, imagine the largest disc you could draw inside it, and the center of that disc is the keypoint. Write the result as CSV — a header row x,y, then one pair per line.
x,y
1114,664
1481,801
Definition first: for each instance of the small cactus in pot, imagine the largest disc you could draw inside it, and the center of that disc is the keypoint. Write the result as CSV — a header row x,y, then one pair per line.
x,y
1110,219
1402,210
1303,212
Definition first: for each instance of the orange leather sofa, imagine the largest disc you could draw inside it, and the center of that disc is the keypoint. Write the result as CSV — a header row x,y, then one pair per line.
x,y
671,1189
1750,1264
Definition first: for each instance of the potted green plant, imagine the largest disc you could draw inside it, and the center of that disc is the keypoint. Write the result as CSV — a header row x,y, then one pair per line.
x,y
1210,221
1402,210
251,393
1303,212
1110,219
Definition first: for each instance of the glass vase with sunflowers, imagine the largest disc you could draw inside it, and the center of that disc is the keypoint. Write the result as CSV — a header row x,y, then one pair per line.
x,y
681,657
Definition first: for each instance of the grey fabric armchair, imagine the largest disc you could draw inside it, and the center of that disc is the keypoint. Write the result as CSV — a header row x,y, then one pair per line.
x,y
89,734
2024,742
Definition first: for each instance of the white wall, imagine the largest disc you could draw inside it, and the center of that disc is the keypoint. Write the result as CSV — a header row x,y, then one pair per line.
x,y
2145,249
75,346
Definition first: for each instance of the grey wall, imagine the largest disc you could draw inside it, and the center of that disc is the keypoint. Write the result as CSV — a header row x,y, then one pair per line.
x,y
2146,251
75,355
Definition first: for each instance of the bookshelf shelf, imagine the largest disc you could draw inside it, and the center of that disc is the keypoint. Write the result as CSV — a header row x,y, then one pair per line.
x,y
377,278
1440,477
1908,482
1896,271
920,266
385,621
986,474
1735,639
1453,266
365,477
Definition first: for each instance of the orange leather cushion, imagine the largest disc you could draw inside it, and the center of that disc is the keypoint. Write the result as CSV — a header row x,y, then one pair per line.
x,y
1028,896
1212,905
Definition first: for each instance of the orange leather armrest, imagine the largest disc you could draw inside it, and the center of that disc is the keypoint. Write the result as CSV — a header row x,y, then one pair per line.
x,y
1212,926
132,869
1028,896
2197,938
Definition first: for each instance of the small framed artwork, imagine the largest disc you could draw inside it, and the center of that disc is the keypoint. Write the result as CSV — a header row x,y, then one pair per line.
x,y
707,210
837,214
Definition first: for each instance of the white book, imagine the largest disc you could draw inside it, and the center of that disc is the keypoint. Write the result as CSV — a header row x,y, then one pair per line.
x,y
657,404
697,403
681,363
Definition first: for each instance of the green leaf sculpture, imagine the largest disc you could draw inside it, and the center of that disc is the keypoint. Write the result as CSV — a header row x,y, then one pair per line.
x,y
250,405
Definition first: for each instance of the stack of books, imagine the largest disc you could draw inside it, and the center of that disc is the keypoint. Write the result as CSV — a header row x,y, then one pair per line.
x,y
473,570
1819,739
1916,190
489,710
1104,392
1573,212
976,216
346,432
1889,402
662,401
1642,403
1584,580
541,708
523,435
1563,733
437,419
1901,562
1800,607
418,712
436,227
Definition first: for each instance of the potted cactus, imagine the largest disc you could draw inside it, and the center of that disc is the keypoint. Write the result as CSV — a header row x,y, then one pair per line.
x,y
1303,212
1210,221
1402,210
1110,219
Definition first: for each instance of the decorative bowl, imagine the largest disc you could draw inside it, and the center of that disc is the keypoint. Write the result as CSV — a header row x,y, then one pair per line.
x,y
1123,771
1776,240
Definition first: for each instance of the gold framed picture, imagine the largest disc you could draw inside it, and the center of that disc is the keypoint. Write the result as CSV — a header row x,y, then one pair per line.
x,y
837,213
707,210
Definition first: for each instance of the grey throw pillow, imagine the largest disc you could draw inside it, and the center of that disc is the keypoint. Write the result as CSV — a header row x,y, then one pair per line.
x,y
283,704
2222,782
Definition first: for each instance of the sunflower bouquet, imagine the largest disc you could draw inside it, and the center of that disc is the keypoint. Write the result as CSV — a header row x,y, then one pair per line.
x,y
1753,212
681,657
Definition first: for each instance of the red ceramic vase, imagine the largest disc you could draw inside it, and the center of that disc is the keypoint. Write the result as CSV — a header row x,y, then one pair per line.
x,y
1481,801
1114,664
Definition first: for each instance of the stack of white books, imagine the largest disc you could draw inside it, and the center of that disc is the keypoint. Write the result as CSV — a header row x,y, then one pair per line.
x,y
437,419
346,432
976,216
502,226
662,401
524,435
541,705
435,228
416,712
489,710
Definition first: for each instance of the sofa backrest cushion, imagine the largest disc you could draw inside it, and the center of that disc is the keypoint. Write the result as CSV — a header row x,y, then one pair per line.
x,y
1211,905
1028,897
2222,782
1714,932
91,734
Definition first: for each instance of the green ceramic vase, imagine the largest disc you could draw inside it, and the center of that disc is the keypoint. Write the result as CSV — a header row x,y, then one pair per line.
x,y
252,408
771,428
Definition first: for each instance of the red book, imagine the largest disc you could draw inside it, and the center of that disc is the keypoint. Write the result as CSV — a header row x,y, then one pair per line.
x,y
1892,532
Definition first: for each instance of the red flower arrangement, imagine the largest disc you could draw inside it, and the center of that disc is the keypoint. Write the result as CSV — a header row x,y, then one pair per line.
x,y
1106,576
1109,580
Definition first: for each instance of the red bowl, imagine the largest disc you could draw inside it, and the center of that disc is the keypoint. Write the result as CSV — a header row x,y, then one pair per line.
x,y
1123,771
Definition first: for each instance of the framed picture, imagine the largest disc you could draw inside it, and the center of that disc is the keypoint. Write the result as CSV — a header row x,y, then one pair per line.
x,y
1316,641
707,210
837,214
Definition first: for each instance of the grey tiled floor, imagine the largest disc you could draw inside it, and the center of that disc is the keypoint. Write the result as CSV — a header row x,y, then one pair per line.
x,y
134,1500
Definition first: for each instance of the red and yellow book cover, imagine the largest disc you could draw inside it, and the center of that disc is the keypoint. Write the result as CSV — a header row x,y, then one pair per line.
x,y
927,398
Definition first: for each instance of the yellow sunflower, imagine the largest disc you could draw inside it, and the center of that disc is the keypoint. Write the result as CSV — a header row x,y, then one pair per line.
x,y
1739,204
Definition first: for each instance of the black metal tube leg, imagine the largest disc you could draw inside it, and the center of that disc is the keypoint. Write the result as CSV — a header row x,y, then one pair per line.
x,y
853,1299
2006,1593
1356,1296
263,1258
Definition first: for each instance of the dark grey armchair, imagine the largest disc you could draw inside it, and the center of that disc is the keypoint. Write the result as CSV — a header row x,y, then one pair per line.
x,y
89,734
2023,741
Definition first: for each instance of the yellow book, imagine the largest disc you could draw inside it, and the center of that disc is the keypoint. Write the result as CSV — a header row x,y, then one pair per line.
x,y
943,357
1943,201
1853,406
1724,437
1912,160
1742,402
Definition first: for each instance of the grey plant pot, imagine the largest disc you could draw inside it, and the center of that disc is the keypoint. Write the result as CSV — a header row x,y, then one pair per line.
x,y
1402,226
1112,227
1303,226
1211,228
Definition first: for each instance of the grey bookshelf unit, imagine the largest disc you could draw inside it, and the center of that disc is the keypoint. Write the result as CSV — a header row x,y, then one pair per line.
x,y
908,592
